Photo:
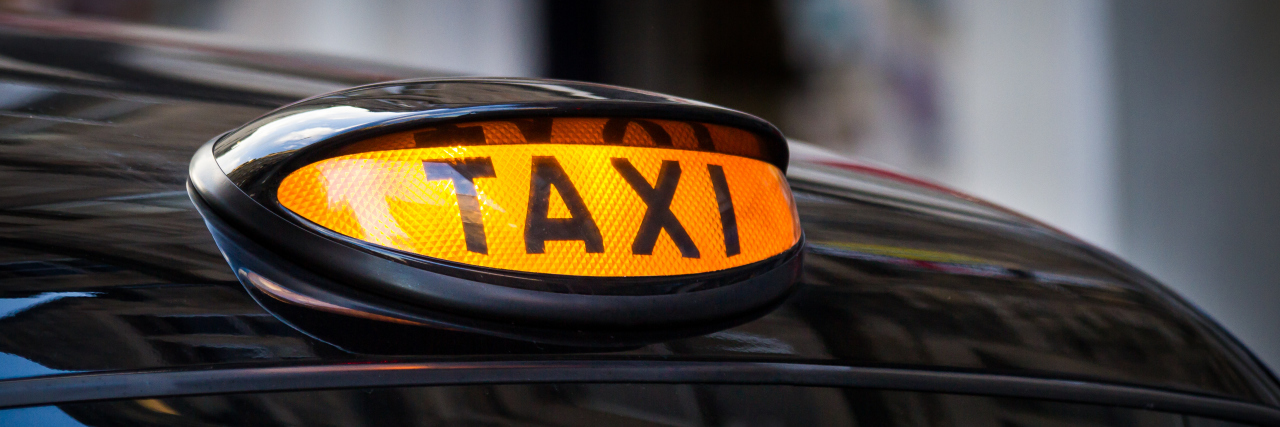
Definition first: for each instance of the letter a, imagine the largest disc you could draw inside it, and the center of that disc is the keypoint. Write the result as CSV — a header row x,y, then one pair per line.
x,y
547,173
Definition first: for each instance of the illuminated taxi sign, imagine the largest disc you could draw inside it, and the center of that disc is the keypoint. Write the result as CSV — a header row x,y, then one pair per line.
x,y
582,197
554,211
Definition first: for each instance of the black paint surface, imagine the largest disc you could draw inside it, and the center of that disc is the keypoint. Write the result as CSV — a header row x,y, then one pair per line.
x,y
602,405
105,265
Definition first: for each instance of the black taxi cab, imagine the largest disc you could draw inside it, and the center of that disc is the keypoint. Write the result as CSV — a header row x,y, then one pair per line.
x,y
205,236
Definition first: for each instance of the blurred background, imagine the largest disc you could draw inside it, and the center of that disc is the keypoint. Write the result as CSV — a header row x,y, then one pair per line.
x,y
1148,127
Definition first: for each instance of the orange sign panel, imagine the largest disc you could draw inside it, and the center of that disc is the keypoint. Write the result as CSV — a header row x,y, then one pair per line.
x,y
568,209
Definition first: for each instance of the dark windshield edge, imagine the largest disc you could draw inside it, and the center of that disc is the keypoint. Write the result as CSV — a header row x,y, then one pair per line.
x,y
170,383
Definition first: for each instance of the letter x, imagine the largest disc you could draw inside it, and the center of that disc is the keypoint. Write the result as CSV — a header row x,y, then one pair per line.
x,y
658,217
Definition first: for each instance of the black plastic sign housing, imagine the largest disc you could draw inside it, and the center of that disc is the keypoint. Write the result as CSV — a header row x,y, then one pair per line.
x,y
285,258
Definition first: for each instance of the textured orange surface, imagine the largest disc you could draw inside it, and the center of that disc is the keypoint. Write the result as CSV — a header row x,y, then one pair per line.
x,y
384,197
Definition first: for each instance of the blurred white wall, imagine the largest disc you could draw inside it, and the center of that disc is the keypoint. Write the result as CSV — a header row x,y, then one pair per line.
x,y
1146,127
1028,111
1198,85
480,37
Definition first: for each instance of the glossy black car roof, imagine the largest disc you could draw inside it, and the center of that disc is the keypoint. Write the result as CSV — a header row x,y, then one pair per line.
x,y
106,267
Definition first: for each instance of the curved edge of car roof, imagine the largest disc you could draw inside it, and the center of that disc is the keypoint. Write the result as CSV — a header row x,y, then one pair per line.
x,y
880,186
